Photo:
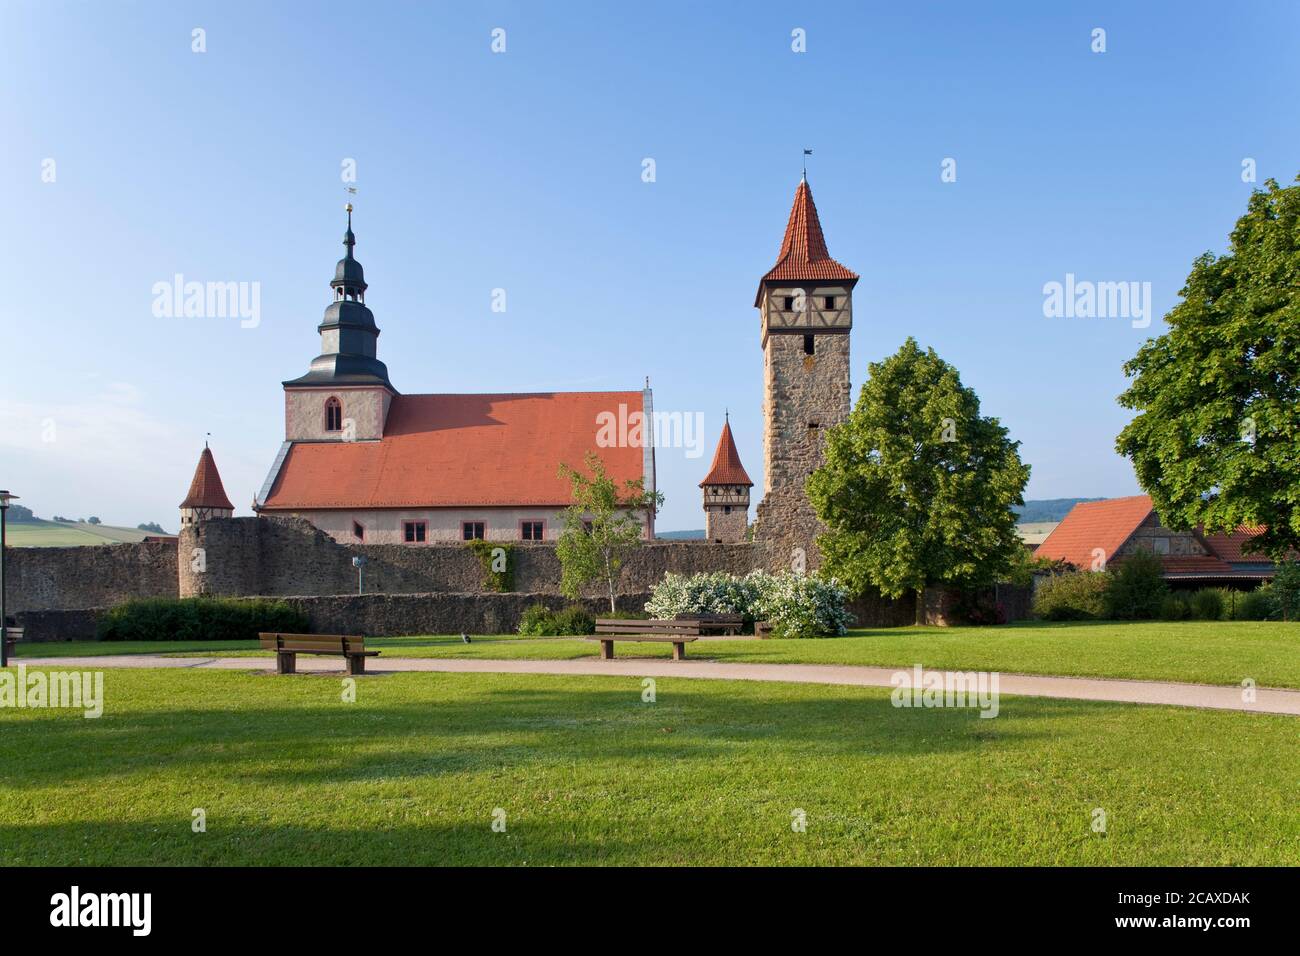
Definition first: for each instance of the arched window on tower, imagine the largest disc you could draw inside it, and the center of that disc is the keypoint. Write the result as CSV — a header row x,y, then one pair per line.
x,y
333,414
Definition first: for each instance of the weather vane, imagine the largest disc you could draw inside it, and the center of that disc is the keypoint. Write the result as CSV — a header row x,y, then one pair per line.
x,y
806,154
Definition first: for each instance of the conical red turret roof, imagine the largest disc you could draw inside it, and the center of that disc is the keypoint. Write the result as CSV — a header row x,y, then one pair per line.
x,y
205,489
803,256
727,469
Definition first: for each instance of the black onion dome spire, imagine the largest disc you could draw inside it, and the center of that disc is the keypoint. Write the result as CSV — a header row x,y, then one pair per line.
x,y
348,332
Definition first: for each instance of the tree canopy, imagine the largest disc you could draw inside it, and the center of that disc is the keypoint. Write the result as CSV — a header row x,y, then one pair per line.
x,y
1216,440
917,487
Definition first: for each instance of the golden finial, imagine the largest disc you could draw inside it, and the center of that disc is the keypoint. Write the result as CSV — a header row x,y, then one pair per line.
x,y
348,207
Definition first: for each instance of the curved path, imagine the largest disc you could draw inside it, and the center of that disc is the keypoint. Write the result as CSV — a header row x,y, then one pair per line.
x,y
1266,701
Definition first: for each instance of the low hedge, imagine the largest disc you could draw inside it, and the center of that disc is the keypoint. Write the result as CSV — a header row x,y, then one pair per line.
x,y
198,619
1076,596
540,621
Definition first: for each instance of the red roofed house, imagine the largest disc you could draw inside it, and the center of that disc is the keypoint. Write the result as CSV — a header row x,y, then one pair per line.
x,y
206,498
726,492
364,462
1098,533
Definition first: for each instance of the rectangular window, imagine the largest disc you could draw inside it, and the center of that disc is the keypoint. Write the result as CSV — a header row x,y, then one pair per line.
x,y
532,530
808,345
1160,545
358,531
414,532
830,302
471,530
789,303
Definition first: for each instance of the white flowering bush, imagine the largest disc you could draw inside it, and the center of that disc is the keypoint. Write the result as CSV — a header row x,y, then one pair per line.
x,y
795,605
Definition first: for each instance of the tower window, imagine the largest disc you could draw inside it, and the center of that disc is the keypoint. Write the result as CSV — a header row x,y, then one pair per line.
x,y
333,414
830,302
789,303
415,532
726,509
358,531
808,345
532,530
471,530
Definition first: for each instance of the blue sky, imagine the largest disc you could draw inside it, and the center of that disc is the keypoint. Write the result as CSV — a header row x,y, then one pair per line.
x,y
522,171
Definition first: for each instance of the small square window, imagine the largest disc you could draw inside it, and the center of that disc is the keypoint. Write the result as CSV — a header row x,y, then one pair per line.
x,y
415,532
808,344
726,509
830,302
358,531
532,530
471,530
789,303
1160,545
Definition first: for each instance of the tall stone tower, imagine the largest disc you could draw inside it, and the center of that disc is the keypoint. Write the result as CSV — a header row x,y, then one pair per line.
x,y
805,302
726,492
206,498
345,395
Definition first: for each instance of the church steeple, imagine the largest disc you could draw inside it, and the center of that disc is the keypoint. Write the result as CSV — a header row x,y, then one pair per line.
x,y
348,332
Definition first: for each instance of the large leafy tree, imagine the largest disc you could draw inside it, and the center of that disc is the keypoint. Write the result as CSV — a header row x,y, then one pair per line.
x,y
601,527
917,486
1217,436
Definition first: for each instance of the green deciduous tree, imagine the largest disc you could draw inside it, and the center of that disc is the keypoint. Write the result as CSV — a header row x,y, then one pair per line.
x,y
604,523
1217,436
917,486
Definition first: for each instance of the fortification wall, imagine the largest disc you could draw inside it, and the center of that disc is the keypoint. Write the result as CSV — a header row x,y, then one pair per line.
x,y
42,579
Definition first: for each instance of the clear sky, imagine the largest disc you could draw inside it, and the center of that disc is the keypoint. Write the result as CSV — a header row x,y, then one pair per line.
x,y
522,171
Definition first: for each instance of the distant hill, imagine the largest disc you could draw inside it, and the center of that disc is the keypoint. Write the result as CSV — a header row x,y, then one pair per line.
x,y
1049,509
67,534
681,535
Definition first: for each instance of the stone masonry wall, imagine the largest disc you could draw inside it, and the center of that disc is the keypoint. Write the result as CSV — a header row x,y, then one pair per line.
x,y
40,579
288,556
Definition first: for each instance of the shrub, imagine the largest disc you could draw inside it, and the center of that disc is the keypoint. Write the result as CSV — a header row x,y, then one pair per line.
x,y
1285,590
1076,596
1175,606
1207,605
1256,605
795,605
1137,587
540,621
198,619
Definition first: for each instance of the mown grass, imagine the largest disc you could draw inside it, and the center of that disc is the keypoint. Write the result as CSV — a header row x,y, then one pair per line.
x,y
586,772
1201,652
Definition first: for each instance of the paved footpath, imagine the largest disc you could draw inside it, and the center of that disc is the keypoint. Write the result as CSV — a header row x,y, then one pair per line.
x,y
1027,685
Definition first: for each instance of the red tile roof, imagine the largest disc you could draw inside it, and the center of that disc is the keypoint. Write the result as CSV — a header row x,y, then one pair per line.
x,y
1095,524
1235,546
803,255
726,469
462,450
205,489
1195,564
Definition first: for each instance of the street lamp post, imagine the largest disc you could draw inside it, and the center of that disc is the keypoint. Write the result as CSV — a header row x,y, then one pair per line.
x,y
359,562
5,498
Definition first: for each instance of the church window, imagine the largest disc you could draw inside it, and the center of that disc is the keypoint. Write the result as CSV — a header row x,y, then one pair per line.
x,y
333,414
532,530
808,345
358,531
471,530
414,532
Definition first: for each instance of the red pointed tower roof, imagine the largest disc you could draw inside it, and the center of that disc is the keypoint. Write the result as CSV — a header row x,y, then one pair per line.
x,y
803,256
205,489
727,469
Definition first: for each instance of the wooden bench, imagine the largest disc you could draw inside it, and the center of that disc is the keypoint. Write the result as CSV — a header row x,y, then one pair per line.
x,y
287,647
12,636
714,624
677,633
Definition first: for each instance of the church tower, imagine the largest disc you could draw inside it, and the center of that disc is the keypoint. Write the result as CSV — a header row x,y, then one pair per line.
x,y
805,304
207,498
345,395
726,493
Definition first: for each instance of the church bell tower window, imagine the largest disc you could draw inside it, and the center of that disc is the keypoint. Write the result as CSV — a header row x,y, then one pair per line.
x,y
333,415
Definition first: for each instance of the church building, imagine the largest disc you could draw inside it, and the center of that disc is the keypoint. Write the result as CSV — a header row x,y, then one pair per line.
x,y
368,464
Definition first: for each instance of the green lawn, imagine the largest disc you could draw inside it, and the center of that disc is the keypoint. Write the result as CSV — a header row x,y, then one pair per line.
x,y
1202,652
588,773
